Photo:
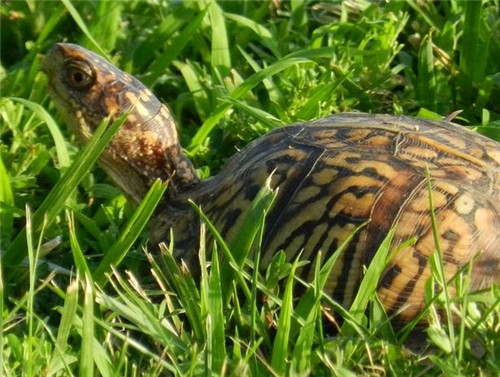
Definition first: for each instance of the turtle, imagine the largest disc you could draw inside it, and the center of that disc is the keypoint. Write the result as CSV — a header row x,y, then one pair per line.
x,y
373,173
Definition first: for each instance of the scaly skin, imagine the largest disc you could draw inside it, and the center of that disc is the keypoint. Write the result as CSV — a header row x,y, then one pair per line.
x,y
332,175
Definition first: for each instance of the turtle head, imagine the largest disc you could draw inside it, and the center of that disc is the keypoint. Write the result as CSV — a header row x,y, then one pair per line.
x,y
87,89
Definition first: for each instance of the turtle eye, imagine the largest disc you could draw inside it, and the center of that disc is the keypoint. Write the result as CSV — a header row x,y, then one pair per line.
x,y
78,75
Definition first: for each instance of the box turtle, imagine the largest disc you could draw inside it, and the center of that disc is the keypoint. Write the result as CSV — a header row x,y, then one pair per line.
x,y
333,175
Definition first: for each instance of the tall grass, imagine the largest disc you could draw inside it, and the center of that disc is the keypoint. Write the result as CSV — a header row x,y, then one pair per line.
x,y
82,295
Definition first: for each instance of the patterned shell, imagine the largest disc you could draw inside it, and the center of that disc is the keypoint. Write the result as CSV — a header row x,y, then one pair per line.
x,y
337,173
332,175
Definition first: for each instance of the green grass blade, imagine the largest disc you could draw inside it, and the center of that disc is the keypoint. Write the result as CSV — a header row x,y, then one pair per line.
x,y
78,256
472,50
437,266
298,21
279,357
105,26
130,302
188,292
216,347
6,201
90,226
250,227
193,81
142,351
318,95
255,319
221,58
68,314
422,12
131,232
56,15
241,90
245,239
426,81
267,120
59,143
86,367
264,34
233,265
89,352
175,47
369,283
273,91
83,27
3,316
30,317
55,200
63,357
302,352
6,195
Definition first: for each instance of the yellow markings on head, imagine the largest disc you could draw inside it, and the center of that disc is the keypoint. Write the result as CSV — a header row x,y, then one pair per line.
x,y
145,95
132,98
112,106
80,118
137,105
164,113
108,77
132,119
127,78
149,142
82,124
97,60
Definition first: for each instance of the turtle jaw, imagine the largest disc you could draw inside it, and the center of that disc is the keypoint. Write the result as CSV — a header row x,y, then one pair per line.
x,y
133,183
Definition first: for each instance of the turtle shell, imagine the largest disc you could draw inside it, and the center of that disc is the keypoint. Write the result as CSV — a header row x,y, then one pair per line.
x,y
338,173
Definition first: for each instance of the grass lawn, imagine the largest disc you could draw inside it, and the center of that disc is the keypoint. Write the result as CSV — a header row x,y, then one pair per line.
x,y
229,71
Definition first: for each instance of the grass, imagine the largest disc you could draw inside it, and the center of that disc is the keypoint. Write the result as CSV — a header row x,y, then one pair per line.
x,y
230,71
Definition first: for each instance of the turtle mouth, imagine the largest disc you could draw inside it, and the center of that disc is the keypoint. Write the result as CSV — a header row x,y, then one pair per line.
x,y
69,110
46,66
51,66
52,61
